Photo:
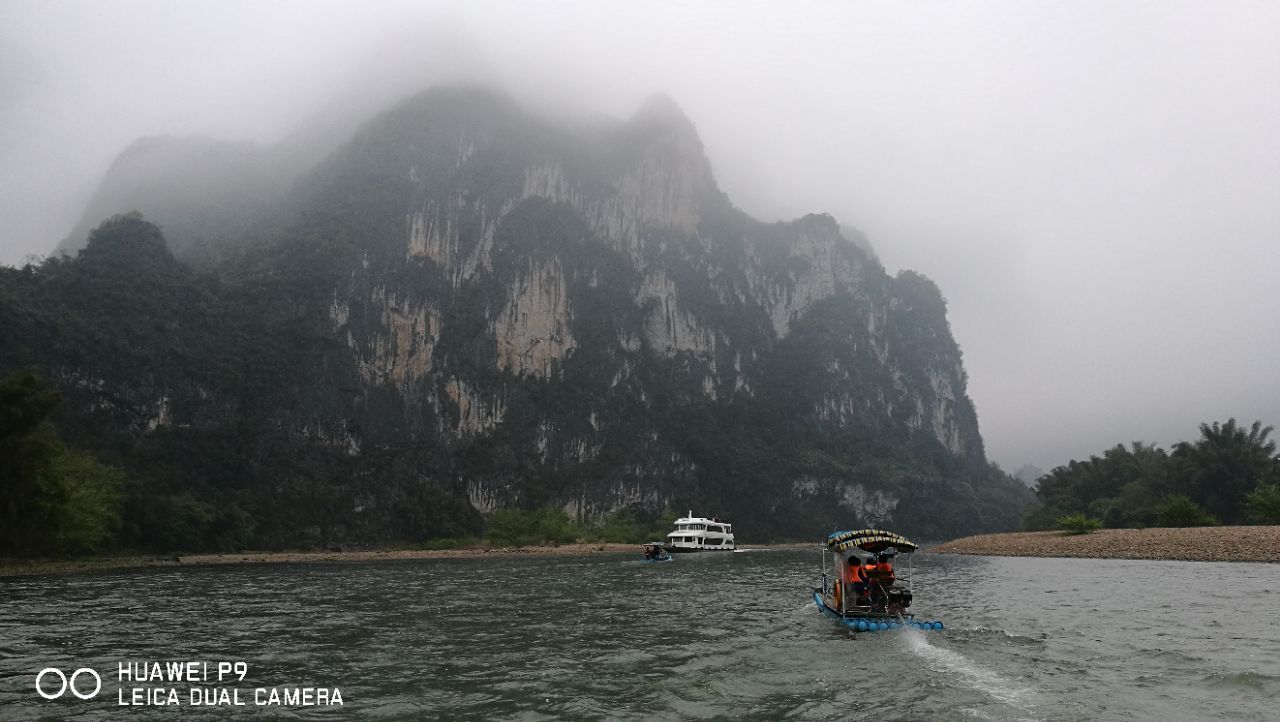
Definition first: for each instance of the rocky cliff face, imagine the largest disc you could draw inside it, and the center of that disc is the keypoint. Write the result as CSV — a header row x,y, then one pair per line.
x,y
533,316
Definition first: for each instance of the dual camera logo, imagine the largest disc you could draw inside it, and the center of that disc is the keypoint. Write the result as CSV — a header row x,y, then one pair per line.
x,y
75,684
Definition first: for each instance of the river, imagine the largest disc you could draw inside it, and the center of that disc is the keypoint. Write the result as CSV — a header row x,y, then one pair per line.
x,y
704,637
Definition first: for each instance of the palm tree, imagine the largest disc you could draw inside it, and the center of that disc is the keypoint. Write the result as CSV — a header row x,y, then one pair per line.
x,y
1225,464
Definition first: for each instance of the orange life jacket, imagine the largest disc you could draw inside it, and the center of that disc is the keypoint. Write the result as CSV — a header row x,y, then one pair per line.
x,y
851,571
882,573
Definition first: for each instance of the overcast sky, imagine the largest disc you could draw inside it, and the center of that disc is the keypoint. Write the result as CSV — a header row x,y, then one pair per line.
x,y
1094,185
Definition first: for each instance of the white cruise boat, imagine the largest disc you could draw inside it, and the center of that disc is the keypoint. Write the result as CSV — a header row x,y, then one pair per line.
x,y
700,534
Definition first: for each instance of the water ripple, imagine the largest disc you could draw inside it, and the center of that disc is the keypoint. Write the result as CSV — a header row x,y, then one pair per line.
x,y
710,637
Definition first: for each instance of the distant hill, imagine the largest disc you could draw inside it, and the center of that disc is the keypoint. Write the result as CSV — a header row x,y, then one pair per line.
x,y
203,193
1029,474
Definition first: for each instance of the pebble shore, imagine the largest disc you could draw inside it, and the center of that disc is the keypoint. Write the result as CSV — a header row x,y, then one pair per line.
x,y
14,567
1202,544
1206,544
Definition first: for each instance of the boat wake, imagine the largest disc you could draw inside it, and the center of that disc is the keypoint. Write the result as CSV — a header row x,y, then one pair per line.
x,y
955,664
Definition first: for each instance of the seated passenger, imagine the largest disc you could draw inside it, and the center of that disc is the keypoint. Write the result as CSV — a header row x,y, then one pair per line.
x,y
859,577
883,570
847,572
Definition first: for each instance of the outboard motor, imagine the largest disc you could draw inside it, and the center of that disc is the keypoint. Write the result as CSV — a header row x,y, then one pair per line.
x,y
899,597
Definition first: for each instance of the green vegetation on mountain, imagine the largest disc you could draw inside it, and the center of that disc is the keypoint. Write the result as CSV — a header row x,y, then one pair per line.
x,y
1229,475
53,500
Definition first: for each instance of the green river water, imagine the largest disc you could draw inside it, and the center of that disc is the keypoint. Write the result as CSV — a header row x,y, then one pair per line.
x,y
710,636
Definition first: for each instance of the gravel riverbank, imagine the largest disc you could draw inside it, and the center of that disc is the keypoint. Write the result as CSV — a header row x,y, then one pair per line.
x,y
17,567
21,567
1204,544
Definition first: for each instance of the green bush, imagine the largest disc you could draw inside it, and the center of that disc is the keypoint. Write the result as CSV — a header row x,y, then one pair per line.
x,y
556,527
510,527
1078,524
523,527
1263,504
1177,510
622,528
628,527
87,519
181,522
53,499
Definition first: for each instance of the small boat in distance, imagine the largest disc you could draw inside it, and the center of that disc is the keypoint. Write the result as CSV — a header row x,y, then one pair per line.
x,y
700,534
862,590
655,552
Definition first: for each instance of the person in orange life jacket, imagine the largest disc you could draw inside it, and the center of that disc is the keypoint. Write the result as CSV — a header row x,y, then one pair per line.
x,y
859,573
846,571
880,573
852,574
886,567
869,568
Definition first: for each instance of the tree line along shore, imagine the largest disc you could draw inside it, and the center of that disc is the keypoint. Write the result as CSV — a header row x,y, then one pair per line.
x,y
1204,544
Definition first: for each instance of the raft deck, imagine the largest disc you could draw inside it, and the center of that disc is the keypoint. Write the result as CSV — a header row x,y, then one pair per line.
x,y
873,622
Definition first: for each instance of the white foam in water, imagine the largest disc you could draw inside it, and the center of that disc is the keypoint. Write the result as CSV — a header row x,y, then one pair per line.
x,y
946,661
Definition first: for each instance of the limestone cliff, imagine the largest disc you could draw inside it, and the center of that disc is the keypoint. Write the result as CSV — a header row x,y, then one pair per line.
x,y
499,311
589,292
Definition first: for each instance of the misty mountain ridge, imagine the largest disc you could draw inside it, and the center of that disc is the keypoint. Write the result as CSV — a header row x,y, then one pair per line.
x,y
465,308
207,193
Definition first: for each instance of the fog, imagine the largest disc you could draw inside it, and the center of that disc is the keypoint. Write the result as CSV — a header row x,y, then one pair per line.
x,y
1094,185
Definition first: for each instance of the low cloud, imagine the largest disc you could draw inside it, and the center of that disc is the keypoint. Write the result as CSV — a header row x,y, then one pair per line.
x,y
1093,187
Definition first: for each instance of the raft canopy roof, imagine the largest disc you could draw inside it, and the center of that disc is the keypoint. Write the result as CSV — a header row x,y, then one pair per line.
x,y
871,540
